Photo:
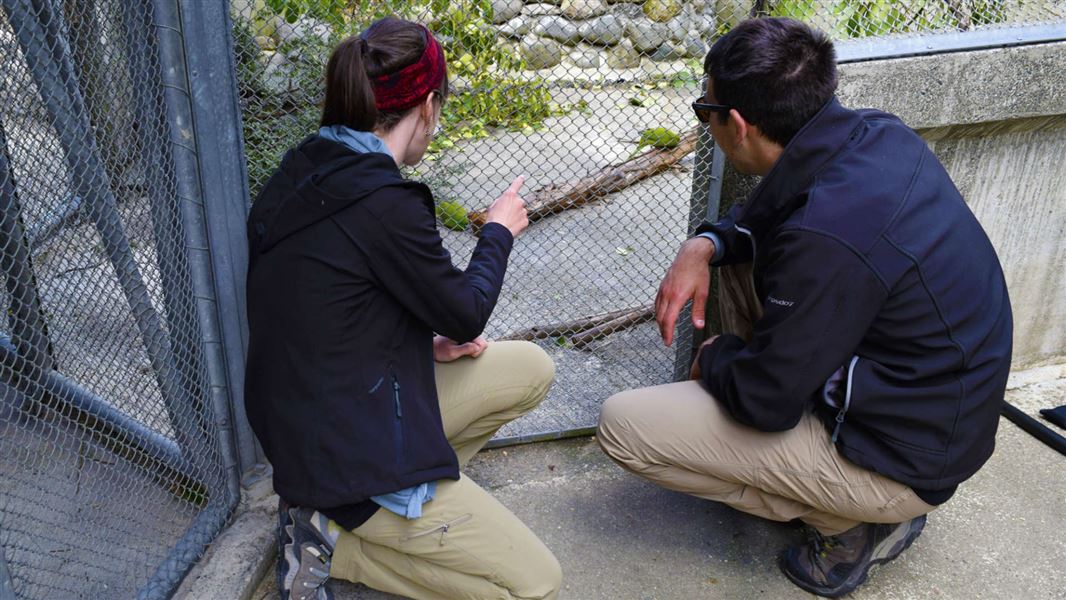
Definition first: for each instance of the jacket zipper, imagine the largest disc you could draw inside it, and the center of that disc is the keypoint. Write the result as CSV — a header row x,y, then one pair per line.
x,y
442,528
399,419
847,399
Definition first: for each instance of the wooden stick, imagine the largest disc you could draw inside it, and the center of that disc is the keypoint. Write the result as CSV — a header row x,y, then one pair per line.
x,y
625,321
541,332
555,198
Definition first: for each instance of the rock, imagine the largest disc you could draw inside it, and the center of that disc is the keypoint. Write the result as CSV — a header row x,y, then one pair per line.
x,y
540,53
505,10
516,28
668,51
646,35
662,10
732,12
458,84
277,72
706,25
628,11
678,27
623,56
694,45
306,28
541,10
558,29
279,29
586,58
583,9
603,31
265,42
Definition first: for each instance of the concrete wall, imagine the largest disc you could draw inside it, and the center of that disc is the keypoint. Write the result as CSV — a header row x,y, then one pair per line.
x,y
997,120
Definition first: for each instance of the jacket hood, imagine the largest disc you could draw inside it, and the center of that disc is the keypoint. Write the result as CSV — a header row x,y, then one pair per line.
x,y
777,195
315,180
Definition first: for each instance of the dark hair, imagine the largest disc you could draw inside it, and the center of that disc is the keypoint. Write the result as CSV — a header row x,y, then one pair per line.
x,y
776,72
388,45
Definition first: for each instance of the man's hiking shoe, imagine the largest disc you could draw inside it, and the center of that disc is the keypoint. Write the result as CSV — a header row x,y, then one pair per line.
x,y
304,555
832,566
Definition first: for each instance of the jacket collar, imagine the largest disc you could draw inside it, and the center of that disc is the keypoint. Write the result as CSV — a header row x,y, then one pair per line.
x,y
779,192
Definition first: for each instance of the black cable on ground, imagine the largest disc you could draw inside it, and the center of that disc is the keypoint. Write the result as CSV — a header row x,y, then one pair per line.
x,y
1035,428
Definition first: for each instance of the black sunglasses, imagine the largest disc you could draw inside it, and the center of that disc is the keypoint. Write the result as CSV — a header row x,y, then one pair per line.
x,y
703,110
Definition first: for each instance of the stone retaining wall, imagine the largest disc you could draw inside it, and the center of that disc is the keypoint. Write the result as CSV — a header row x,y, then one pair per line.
x,y
618,34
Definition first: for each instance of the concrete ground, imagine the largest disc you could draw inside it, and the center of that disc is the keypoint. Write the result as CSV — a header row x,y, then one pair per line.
x,y
617,537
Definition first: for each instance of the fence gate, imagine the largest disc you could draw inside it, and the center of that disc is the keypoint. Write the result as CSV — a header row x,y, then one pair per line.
x,y
117,465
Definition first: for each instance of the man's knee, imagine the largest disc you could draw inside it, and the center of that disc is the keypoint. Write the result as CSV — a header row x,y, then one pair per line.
x,y
615,425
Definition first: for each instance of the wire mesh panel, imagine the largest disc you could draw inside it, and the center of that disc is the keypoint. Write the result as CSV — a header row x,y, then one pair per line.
x,y
590,100
109,455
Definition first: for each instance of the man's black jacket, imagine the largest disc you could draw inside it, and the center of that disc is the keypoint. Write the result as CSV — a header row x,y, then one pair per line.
x,y
866,257
347,282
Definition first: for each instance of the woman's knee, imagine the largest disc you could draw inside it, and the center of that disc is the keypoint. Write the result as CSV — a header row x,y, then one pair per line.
x,y
543,576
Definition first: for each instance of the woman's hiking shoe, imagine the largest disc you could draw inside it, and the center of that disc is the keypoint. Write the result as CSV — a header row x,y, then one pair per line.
x,y
304,555
832,566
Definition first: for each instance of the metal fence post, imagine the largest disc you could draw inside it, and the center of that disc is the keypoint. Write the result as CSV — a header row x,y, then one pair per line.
x,y
704,205
219,143
7,587
206,152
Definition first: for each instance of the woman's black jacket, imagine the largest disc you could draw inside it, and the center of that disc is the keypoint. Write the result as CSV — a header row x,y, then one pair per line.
x,y
347,283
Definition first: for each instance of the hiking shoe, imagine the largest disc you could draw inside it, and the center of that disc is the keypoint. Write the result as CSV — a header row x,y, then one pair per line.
x,y
832,566
304,555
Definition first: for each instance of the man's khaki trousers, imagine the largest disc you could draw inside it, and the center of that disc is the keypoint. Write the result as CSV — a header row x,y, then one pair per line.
x,y
681,438
465,544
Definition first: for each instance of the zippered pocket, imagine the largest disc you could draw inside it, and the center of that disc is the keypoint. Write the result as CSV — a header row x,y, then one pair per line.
x,y
398,421
847,398
441,529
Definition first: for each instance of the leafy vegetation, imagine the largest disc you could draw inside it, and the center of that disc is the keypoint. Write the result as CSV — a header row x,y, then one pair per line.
x,y
490,89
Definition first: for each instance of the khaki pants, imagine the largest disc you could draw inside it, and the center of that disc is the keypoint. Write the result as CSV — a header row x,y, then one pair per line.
x,y
465,544
681,438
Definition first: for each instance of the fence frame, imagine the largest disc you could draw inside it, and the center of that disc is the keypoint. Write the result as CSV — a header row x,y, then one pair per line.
x,y
204,123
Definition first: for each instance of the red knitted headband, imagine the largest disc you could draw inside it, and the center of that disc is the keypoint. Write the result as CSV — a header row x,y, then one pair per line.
x,y
399,91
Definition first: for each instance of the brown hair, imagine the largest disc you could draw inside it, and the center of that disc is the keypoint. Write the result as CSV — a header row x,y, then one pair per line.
x,y
388,45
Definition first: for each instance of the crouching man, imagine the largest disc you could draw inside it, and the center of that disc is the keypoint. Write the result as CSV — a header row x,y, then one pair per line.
x,y
869,328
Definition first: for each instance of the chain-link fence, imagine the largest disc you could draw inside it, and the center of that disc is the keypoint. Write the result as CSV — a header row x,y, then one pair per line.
x,y
112,470
116,461
590,100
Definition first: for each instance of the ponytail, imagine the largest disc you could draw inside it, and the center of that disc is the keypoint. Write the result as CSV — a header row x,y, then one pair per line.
x,y
349,94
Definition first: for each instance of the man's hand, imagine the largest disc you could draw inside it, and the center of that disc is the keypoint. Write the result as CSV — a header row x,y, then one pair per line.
x,y
688,278
446,350
694,372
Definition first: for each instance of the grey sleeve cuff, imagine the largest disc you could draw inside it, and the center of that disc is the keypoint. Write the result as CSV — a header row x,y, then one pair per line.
x,y
719,251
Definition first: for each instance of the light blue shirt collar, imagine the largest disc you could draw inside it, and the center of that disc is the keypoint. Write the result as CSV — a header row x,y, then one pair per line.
x,y
359,141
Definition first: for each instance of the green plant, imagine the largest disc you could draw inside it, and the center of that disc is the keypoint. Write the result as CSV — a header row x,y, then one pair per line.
x,y
492,91
452,215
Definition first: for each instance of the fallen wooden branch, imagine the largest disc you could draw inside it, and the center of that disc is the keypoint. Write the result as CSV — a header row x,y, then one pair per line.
x,y
555,198
615,325
542,332
582,332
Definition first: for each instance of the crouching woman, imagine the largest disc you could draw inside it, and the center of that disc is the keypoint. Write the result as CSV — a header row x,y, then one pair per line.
x,y
368,384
